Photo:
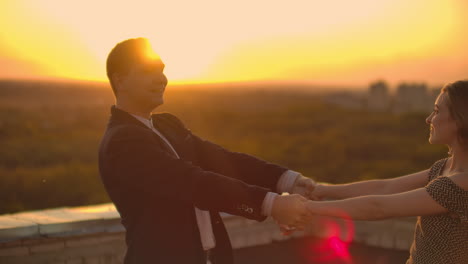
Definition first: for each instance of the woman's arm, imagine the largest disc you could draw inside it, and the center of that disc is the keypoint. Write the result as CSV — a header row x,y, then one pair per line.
x,y
375,207
372,187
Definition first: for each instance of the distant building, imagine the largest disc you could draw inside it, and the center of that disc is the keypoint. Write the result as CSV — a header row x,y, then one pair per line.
x,y
378,97
408,97
412,98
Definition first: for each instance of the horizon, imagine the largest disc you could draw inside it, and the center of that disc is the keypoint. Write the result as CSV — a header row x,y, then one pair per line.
x,y
314,88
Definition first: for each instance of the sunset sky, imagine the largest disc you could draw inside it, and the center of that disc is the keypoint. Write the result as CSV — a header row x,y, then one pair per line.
x,y
333,42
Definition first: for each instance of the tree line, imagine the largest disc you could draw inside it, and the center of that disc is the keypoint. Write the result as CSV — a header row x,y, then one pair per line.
x,y
50,134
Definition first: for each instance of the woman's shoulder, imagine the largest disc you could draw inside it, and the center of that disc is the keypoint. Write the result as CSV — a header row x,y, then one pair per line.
x,y
441,163
437,168
461,180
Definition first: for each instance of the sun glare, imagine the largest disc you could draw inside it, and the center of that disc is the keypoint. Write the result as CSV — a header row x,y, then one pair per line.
x,y
215,41
151,54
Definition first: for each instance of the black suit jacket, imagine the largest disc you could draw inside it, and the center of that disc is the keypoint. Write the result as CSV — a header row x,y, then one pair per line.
x,y
155,192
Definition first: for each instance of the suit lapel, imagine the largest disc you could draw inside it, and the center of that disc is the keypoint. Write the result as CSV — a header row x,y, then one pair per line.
x,y
177,138
169,135
121,117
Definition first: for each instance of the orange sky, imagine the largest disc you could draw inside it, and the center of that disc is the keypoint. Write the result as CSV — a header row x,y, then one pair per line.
x,y
335,42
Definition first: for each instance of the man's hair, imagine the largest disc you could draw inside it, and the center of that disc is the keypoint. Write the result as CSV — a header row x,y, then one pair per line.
x,y
458,106
123,55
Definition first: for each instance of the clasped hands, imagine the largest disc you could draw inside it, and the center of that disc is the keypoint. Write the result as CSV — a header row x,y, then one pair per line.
x,y
291,211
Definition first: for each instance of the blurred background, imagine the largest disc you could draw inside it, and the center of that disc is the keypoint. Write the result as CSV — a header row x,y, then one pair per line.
x,y
338,90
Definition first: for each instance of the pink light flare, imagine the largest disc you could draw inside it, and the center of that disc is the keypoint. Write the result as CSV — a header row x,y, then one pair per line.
x,y
333,246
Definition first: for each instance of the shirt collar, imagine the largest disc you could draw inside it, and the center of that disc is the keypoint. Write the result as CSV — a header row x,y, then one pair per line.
x,y
147,122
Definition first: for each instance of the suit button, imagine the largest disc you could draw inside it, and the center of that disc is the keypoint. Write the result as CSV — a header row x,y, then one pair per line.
x,y
250,210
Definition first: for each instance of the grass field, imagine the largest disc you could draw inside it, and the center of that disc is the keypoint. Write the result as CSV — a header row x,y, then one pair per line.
x,y
50,131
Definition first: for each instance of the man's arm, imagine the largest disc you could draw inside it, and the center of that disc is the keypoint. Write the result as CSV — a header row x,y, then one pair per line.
x,y
247,168
244,167
133,163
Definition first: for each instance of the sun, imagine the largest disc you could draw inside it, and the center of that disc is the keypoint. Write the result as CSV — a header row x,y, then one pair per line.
x,y
218,41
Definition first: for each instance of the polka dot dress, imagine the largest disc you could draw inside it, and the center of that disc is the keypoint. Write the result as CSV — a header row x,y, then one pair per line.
x,y
442,238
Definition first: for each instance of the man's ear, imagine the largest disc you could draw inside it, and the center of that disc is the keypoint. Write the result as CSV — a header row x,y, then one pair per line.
x,y
116,81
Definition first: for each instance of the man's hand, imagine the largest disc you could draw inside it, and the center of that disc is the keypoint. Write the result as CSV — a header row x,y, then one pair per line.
x,y
320,192
287,230
304,186
291,210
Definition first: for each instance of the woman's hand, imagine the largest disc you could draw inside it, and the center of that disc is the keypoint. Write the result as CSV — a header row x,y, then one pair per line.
x,y
320,192
291,210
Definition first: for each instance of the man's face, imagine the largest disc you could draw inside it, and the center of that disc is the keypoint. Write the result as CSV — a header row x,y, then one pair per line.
x,y
144,84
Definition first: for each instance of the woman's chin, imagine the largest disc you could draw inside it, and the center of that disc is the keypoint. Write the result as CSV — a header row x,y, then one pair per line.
x,y
434,141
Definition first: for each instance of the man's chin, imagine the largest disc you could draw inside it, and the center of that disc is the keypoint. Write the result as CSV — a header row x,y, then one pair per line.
x,y
157,103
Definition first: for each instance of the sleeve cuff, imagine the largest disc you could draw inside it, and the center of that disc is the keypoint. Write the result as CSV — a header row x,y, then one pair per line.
x,y
268,203
286,181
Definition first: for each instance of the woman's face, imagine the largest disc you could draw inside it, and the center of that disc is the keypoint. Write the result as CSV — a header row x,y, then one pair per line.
x,y
442,126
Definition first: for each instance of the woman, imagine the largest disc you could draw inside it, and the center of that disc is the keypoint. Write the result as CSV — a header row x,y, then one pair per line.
x,y
439,195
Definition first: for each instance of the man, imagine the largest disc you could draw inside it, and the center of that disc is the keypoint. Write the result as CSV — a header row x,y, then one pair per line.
x,y
169,185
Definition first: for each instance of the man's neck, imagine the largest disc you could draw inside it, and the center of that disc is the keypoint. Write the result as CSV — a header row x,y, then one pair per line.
x,y
134,110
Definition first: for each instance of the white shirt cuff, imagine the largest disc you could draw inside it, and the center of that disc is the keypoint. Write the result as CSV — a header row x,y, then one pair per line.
x,y
267,205
286,181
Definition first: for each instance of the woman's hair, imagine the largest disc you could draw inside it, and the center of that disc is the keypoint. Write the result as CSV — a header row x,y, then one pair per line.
x,y
457,94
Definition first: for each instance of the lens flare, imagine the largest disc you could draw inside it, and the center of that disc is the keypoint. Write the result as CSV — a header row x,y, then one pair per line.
x,y
333,247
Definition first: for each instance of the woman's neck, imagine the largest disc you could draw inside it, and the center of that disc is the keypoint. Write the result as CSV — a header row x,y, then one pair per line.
x,y
459,160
